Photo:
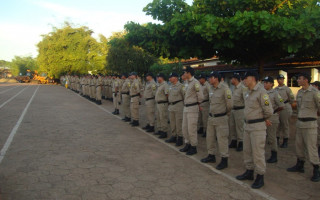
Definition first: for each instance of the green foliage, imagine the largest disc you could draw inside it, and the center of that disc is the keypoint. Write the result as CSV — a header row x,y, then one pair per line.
x,y
71,50
124,58
167,68
22,64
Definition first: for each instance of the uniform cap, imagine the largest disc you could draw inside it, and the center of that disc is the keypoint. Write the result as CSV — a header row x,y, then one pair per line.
x,y
133,73
252,73
203,75
190,70
215,74
268,79
161,75
125,75
173,74
236,76
149,74
280,76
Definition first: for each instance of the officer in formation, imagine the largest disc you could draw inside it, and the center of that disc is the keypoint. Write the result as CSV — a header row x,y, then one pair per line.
x,y
316,85
161,98
125,94
149,98
134,92
204,113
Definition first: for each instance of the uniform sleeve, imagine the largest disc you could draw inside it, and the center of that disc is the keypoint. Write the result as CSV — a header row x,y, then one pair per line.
x,y
266,105
199,92
317,100
228,99
154,89
182,91
278,100
290,95
166,89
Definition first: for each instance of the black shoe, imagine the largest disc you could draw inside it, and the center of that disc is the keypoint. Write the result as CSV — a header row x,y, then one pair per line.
x,y
210,158
118,112
172,139
114,112
319,151
158,133
233,144
163,135
99,102
204,134
299,167
124,119
223,164
179,141
200,131
273,158
146,127
240,146
248,175
192,150
316,174
128,119
151,129
259,182
284,143
185,148
135,123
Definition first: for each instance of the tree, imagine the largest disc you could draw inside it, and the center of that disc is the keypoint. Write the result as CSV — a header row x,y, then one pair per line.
x,y
20,65
124,58
71,50
246,32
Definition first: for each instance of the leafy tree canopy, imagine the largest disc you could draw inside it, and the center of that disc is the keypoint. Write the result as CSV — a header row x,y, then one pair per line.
x,y
22,64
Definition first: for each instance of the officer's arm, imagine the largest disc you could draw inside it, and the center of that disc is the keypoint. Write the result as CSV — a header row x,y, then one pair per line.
x,y
166,90
279,102
199,92
290,95
154,89
266,105
182,91
228,99
317,101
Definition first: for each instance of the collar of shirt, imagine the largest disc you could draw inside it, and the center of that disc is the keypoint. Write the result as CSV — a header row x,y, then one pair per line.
x,y
239,85
191,79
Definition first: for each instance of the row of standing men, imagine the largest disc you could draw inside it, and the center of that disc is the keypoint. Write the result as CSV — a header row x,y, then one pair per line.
x,y
253,115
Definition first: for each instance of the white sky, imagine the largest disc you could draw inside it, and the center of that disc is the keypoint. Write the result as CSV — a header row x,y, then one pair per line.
x,y
23,22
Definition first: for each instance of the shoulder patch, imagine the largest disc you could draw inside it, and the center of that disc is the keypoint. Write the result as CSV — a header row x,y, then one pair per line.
x,y
228,93
266,103
280,98
197,86
154,87
265,97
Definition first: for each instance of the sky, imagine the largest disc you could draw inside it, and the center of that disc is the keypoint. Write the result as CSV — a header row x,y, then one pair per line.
x,y
22,22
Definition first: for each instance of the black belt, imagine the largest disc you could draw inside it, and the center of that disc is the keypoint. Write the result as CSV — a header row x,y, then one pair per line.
x,y
286,101
255,121
127,93
217,115
135,95
191,104
160,102
175,102
147,99
307,119
115,92
205,101
238,107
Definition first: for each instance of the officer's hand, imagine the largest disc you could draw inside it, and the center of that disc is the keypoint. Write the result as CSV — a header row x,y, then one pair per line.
x,y
268,123
200,108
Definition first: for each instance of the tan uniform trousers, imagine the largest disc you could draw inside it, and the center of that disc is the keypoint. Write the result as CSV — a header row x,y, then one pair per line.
x,y
98,93
285,115
318,131
110,94
204,115
115,100
87,90
83,89
126,105
93,92
134,108
189,127
236,124
217,135
176,122
272,132
254,150
150,109
306,143
162,120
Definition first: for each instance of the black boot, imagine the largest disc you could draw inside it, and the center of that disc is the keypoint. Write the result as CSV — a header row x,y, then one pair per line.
x,y
99,102
259,182
124,119
210,158
163,135
319,151
278,139
151,129
284,143
273,158
204,134
240,146
146,127
200,131
192,150
299,167
179,141
185,148
158,133
172,139
316,174
248,175
128,119
233,144
223,164
118,112
114,112
135,123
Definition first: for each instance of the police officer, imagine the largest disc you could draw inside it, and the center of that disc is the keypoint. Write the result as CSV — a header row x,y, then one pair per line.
x,y
135,98
308,104
316,84
218,129
204,113
285,115
277,105
192,100
237,115
126,97
149,96
176,96
162,105
116,93
98,89
257,112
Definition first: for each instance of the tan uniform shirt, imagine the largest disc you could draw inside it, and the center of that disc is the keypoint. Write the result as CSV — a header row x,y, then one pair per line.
x,y
193,94
126,86
257,106
205,90
238,95
176,93
135,90
115,85
162,92
308,104
286,93
276,102
99,81
150,89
